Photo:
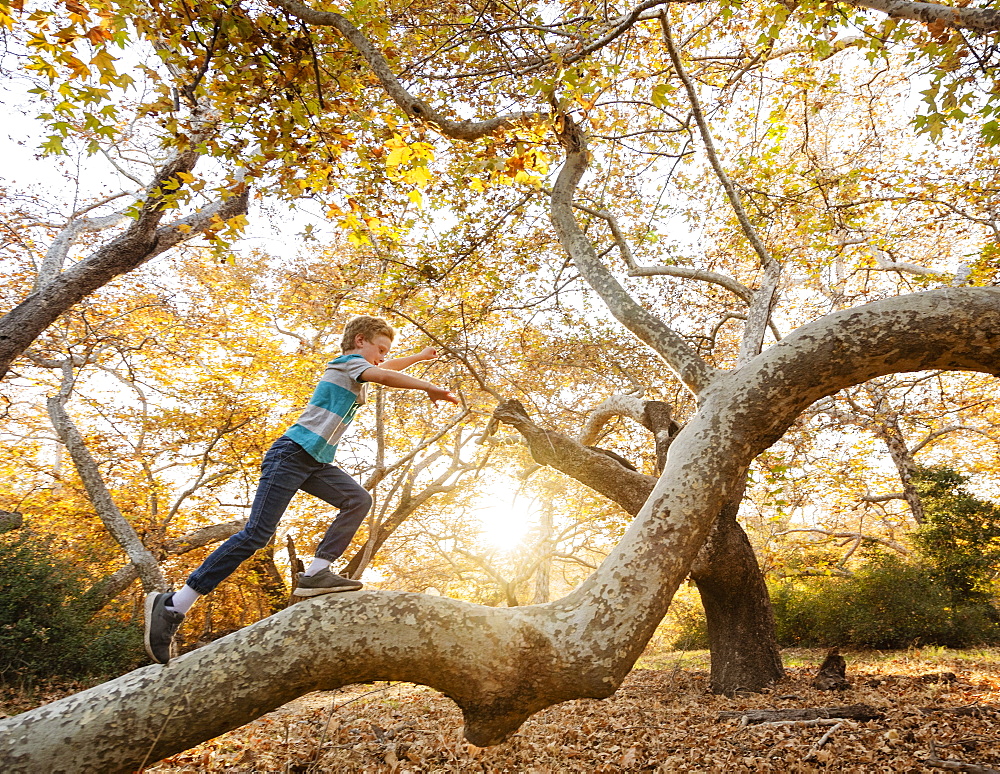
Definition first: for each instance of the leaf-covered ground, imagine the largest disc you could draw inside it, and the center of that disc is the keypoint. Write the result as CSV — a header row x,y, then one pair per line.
x,y
662,719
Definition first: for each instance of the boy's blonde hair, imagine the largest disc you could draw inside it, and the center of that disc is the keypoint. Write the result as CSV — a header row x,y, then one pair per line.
x,y
368,327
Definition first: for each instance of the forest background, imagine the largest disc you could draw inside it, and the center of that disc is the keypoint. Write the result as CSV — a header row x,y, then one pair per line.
x,y
821,159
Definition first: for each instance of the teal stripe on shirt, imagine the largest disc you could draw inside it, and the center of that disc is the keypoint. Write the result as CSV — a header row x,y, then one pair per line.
x,y
314,444
333,398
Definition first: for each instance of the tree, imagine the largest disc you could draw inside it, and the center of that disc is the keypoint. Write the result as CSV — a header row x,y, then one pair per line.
x,y
500,665
961,536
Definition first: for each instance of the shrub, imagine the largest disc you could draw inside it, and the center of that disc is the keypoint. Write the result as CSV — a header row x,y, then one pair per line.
x,y
40,634
889,603
686,620
960,536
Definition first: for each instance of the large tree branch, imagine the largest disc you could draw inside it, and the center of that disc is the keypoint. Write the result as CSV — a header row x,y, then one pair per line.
x,y
108,512
630,406
600,472
55,256
500,665
735,287
693,372
978,19
413,106
142,240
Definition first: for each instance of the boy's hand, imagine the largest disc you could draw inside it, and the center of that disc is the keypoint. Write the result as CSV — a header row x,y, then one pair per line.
x,y
428,353
439,393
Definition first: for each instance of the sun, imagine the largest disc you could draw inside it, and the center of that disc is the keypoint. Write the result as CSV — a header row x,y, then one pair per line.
x,y
506,514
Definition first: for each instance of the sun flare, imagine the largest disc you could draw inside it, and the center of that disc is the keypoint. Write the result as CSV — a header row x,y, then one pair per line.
x,y
506,514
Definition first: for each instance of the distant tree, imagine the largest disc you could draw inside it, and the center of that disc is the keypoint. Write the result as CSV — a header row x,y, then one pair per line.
x,y
960,535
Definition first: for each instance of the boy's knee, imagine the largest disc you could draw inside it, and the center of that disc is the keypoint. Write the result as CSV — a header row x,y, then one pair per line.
x,y
358,504
256,539
364,501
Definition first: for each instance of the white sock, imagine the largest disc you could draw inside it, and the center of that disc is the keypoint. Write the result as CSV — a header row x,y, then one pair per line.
x,y
318,565
183,599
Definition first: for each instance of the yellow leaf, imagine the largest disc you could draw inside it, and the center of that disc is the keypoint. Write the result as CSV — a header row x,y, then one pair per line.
x,y
420,176
398,156
416,197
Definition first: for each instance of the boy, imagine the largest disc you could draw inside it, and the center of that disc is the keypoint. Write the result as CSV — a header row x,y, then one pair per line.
x,y
300,459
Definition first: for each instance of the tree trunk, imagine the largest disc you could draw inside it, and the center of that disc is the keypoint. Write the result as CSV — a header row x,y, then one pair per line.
x,y
891,434
10,521
741,634
262,568
501,665
546,547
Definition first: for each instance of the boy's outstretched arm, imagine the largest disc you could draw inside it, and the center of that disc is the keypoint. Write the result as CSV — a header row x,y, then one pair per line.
x,y
402,363
407,382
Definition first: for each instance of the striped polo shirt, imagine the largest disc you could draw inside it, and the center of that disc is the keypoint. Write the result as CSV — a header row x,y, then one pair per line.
x,y
331,408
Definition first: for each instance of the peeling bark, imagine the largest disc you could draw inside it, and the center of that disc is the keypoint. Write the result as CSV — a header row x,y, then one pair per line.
x,y
500,665
978,19
891,434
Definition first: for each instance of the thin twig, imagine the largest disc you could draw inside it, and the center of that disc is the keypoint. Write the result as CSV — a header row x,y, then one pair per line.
x,y
822,741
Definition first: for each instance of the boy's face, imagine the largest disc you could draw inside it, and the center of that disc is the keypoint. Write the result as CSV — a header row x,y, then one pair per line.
x,y
373,351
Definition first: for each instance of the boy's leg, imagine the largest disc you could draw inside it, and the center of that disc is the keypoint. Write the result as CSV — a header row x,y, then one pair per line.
x,y
334,486
286,465
285,468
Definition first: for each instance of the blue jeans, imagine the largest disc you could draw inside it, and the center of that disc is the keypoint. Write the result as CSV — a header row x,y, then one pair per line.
x,y
287,468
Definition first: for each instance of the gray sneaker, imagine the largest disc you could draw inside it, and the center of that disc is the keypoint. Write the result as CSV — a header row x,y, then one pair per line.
x,y
324,582
160,625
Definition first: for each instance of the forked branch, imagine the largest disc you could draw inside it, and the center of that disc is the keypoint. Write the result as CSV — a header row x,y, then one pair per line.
x,y
693,372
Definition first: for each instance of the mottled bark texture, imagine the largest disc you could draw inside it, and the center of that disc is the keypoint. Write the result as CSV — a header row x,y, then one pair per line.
x,y
741,630
500,665
891,434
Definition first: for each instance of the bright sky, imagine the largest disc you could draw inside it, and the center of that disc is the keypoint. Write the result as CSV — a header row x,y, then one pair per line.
x,y
505,512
